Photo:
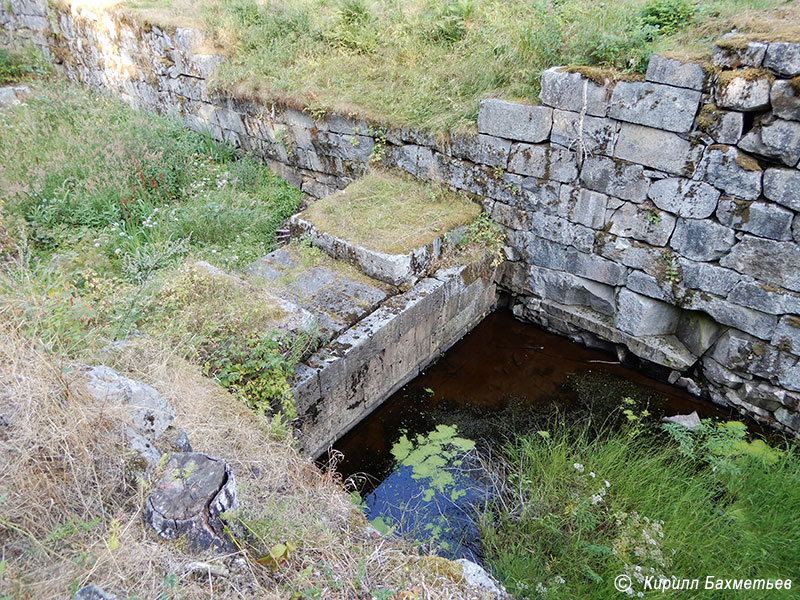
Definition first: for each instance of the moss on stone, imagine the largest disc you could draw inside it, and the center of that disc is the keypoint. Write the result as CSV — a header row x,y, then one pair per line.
x,y
747,162
603,76
726,77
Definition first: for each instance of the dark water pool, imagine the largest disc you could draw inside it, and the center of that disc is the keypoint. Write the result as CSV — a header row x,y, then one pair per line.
x,y
505,377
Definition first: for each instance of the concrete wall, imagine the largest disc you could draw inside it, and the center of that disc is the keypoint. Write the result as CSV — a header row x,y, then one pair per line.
x,y
336,388
657,216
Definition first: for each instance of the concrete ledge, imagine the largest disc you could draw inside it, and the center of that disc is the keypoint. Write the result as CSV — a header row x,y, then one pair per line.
x,y
339,385
394,269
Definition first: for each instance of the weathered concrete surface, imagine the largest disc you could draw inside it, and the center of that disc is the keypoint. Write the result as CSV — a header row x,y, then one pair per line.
x,y
335,388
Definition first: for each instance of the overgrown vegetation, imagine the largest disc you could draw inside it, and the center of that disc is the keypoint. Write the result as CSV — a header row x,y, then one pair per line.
x,y
106,207
396,214
581,508
19,65
428,62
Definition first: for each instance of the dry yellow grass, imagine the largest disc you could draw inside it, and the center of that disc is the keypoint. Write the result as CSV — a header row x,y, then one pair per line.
x,y
391,213
70,509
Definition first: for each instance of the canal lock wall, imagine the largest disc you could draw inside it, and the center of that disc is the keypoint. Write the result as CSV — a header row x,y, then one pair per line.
x,y
655,217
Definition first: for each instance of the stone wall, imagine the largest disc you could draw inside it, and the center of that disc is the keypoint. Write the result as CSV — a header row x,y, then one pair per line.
x,y
657,217
349,378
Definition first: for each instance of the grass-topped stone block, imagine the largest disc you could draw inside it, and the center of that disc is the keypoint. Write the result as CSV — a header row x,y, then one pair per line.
x,y
391,227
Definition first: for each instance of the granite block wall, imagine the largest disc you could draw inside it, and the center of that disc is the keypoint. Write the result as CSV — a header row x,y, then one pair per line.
x,y
658,217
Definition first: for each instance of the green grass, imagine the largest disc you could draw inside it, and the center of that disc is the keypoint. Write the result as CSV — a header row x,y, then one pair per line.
x,y
428,63
103,212
711,505
391,213
19,65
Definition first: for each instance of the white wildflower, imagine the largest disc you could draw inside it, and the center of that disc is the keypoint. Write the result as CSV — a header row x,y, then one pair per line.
x,y
579,467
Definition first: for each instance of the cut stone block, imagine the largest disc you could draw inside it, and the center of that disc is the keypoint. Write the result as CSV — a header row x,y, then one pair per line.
x,y
707,278
724,126
615,178
774,138
787,334
658,149
783,58
514,121
672,71
785,98
769,261
730,54
701,239
746,90
783,186
731,171
765,298
583,206
684,197
645,224
763,219
545,161
483,149
569,289
568,90
697,331
593,135
660,106
642,316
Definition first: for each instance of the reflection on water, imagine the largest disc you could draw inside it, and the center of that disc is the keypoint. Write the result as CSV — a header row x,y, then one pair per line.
x,y
505,377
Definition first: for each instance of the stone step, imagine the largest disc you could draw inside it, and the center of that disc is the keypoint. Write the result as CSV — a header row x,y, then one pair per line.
x,y
390,228
333,292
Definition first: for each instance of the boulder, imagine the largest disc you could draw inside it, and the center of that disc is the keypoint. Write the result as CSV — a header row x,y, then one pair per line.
x,y
675,72
774,138
642,316
569,90
783,58
730,54
731,171
763,219
476,576
769,261
657,149
783,186
615,178
92,592
690,421
189,499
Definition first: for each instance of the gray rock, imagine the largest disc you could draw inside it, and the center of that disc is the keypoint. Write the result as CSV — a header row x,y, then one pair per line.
x,y
615,178
92,592
763,219
788,370
649,286
562,231
595,268
789,419
642,316
787,334
544,161
540,195
743,91
707,278
476,576
784,58
9,96
734,55
592,135
515,121
660,106
690,421
731,171
507,216
571,91
796,230
774,138
630,253
684,197
697,331
644,224
725,126
765,298
150,413
701,240
484,149
771,262
189,499
783,186
583,206
658,149
713,371
785,99
571,290
751,321
672,71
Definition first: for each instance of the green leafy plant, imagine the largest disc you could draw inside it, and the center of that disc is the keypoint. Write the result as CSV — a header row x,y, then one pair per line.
x,y
667,16
488,235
